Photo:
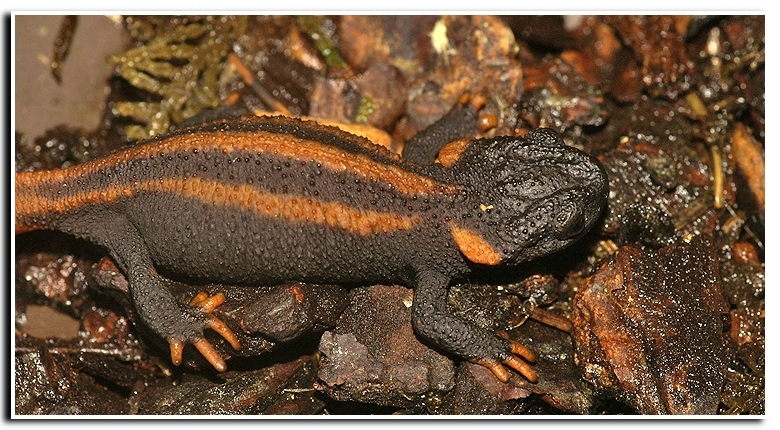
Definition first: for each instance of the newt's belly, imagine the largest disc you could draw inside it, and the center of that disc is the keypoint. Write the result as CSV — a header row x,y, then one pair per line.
x,y
279,240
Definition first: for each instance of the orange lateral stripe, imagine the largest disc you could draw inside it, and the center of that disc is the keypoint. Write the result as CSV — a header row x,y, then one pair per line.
x,y
285,206
290,207
278,144
474,247
336,159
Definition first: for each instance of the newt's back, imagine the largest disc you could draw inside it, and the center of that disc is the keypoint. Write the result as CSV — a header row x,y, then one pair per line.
x,y
269,200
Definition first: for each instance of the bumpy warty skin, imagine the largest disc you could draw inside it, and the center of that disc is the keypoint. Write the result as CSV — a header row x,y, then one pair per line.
x,y
543,195
273,199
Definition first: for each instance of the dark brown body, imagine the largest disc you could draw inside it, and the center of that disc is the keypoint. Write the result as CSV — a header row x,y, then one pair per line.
x,y
275,199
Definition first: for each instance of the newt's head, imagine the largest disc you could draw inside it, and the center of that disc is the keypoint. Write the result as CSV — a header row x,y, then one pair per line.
x,y
530,197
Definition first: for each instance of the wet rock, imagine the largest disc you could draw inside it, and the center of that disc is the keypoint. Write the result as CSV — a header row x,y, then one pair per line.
x,y
56,277
744,281
273,389
648,328
264,318
558,97
374,97
597,51
284,312
658,44
471,397
46,384
73,320
560,384
366,39
469,55
382,88
737,56
373,355
653,188
743,393
744,286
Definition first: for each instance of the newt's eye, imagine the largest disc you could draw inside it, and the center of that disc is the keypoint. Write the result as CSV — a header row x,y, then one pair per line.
x,y
570,224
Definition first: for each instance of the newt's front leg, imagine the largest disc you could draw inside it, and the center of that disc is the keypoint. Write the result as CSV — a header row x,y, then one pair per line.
x,y
432,322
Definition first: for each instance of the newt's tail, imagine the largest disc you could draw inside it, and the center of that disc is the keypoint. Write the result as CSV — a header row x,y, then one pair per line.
x,y
35,203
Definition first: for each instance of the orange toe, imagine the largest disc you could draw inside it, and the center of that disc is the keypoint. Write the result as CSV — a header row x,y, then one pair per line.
x,y
522,350
207,303
220,327
210,354
177,349
523,368
496,368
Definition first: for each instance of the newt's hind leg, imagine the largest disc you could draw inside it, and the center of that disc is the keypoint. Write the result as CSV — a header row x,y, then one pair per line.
x,y
177,323
431,321
206,303
156,306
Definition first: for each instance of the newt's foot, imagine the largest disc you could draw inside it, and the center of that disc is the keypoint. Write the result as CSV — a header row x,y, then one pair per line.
x,y
512,361
486,121
207,304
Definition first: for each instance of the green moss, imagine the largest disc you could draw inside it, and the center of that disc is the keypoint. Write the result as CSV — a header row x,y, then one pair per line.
x,y
178,63
366,108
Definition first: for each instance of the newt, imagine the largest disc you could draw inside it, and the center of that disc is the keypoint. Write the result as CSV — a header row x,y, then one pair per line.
x,y
267,200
